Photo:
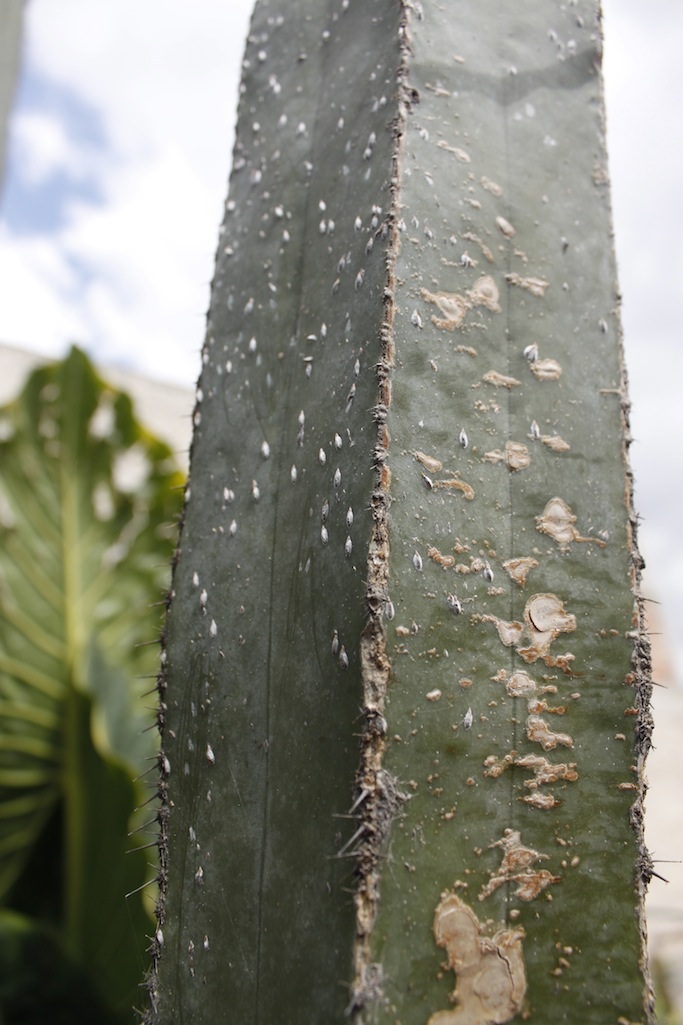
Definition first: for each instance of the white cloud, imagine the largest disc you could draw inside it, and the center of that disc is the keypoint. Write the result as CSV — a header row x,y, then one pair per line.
x,y
154,70
36,311
42,147
161,83
149,249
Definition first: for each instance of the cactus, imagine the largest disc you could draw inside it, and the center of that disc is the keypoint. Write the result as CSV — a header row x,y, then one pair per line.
x,y
405,692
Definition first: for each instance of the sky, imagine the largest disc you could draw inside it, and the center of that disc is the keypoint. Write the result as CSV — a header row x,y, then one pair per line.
x,y
119,154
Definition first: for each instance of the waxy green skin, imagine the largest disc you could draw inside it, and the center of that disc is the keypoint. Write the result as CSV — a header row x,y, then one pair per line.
x,y
386,155
281,714
531,123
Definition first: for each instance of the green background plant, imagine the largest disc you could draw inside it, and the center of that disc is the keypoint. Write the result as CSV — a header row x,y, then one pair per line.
x,y
88,500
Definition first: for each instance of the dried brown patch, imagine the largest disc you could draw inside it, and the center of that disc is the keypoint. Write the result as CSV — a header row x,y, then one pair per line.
x,y
455,484
520,568
538,731
555,442
546,369
500,380
491,979
557,521
453,307
447,561
516,867
516,456
536,286
429,462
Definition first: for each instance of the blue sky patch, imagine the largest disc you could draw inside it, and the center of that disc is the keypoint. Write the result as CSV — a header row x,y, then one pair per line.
x,y
30,207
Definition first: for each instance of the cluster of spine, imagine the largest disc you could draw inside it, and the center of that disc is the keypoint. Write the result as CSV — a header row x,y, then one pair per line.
x,y
641,660
161,796
378,796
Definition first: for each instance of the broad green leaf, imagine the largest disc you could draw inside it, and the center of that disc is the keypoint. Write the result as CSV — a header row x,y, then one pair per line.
x,y
77,918
39,982
87,504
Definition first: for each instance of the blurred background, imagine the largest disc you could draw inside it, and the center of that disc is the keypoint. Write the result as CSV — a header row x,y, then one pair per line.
x,y
116,164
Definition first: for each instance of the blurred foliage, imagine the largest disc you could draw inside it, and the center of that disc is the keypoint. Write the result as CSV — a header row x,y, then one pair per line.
x,y
665,990
88,504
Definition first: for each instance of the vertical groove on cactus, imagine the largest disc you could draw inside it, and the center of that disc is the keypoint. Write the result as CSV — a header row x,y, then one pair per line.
x,y
410,527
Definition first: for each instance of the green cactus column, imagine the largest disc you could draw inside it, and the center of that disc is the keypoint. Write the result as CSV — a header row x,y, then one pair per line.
x,y
405,694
